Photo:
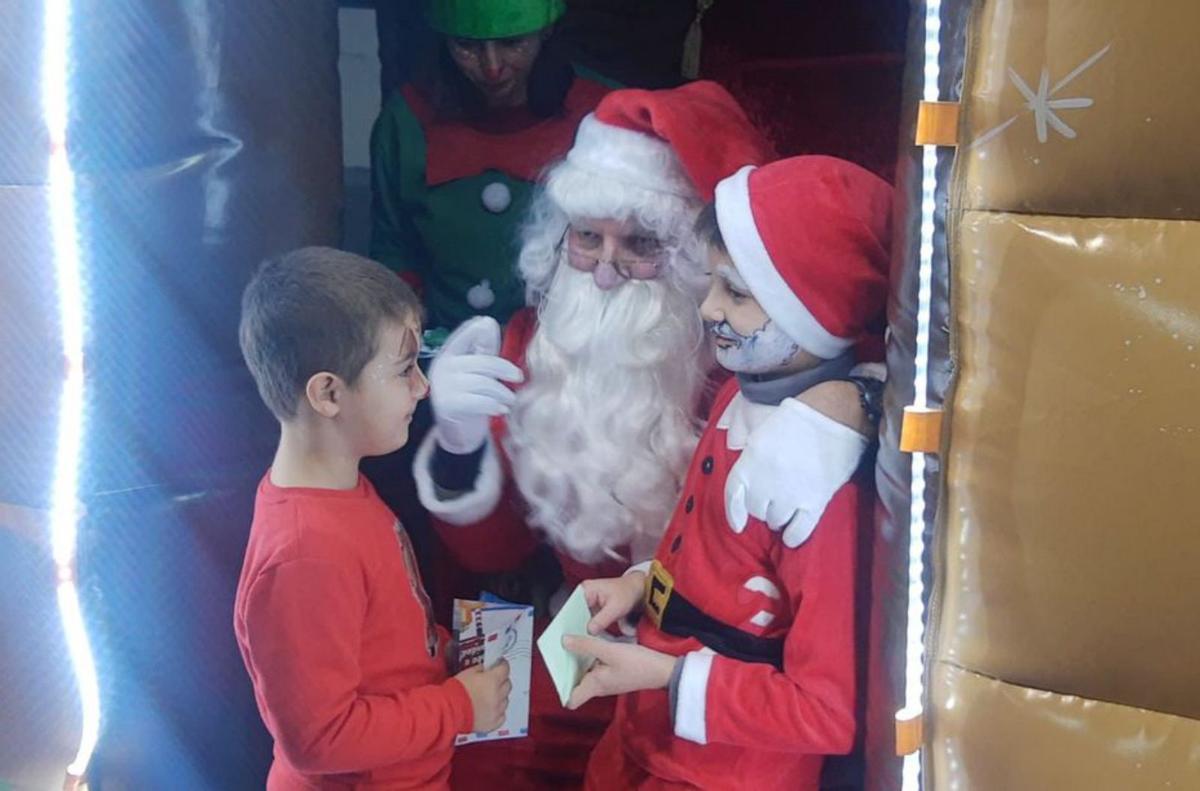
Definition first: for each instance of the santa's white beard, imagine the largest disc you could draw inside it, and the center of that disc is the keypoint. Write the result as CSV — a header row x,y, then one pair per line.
x,y
603,430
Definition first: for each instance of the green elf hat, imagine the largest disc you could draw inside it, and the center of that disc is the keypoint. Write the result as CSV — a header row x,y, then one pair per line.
x,y
493,18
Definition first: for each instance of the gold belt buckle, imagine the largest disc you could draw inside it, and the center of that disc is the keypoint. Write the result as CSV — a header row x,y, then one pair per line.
x,y
659,585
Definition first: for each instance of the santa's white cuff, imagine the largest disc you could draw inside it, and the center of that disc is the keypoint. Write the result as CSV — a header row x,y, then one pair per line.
x,y
468,507
691,697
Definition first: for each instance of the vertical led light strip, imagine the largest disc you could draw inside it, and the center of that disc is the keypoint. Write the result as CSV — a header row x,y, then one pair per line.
x,y
914,671
64,517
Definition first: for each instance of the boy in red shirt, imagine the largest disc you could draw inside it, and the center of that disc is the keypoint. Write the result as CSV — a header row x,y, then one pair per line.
x,y
744,671
334,625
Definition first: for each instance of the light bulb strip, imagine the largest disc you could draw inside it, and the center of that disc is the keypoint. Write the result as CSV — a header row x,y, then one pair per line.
x,y
914,672
64,512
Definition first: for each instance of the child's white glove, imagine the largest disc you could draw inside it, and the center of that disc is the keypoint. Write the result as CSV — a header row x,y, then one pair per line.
x,y
466,385
792,465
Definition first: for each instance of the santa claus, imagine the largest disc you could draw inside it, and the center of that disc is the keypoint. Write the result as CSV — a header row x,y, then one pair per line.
x,y
576,427
610,357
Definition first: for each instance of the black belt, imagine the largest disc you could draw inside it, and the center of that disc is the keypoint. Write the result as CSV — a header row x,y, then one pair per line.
x,y
677,616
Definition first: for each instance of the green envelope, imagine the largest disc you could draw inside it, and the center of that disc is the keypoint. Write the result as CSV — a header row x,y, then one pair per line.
x,y
566,669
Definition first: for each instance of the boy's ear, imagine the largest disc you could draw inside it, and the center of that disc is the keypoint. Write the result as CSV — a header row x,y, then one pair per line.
x,y
324,392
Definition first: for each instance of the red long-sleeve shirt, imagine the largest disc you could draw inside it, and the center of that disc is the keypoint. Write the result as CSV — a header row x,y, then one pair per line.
x,y
337,634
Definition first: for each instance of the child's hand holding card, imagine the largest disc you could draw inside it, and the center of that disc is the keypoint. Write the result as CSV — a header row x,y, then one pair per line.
x,y
488,631
566,668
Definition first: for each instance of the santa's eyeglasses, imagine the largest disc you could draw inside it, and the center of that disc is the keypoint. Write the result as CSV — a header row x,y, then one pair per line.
x,y
634,257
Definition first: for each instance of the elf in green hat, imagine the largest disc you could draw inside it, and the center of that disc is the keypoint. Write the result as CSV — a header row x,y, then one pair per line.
x,y
455,152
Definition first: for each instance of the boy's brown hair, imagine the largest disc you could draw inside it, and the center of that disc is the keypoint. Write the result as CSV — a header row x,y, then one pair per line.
x,y
708,230
316,309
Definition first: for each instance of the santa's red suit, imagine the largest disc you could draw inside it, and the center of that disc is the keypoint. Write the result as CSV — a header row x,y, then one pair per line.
x,y
768,681
485,531
661,154
484,538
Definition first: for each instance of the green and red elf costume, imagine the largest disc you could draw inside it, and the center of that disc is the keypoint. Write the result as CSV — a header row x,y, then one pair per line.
x,y
449,194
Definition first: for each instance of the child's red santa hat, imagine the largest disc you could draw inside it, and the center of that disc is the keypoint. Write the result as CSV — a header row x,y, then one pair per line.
x,y
810,236
680,141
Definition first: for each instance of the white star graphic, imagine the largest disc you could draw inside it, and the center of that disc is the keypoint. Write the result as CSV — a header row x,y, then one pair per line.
x,y
1042,104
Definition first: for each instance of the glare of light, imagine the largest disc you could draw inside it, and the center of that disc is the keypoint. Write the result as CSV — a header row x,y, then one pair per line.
x,y
64,515
914,670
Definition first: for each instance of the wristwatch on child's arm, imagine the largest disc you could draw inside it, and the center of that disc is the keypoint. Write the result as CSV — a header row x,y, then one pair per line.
x,y
870,396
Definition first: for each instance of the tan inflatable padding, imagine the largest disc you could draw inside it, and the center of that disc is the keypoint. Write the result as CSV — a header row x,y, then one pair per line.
x,y
1066,549
1082,107
1070,546
1032,740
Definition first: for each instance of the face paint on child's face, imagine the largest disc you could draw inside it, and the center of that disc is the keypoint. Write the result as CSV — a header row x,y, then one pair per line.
x,y
765,350
382,401
744,337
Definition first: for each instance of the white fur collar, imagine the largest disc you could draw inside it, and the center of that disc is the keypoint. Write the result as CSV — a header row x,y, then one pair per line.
x,y
740,418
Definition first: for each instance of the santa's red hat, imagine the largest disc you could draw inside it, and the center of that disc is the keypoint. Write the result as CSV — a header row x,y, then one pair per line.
x,y
680,141
810,236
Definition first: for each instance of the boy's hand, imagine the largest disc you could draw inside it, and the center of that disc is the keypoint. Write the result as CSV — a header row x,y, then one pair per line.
x,y
612,599
619,668
488,690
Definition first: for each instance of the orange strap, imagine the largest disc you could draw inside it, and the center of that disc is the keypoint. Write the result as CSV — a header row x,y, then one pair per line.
x,y
937,124
921,430
909,731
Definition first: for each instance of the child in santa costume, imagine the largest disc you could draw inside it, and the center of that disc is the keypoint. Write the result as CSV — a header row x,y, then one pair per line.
x,y
743,675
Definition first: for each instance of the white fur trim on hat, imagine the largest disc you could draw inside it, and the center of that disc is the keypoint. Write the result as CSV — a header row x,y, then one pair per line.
x,y
753,262
470,507
631,157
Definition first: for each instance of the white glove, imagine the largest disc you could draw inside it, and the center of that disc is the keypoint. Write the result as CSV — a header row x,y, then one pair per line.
x,y
466,385
793,464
